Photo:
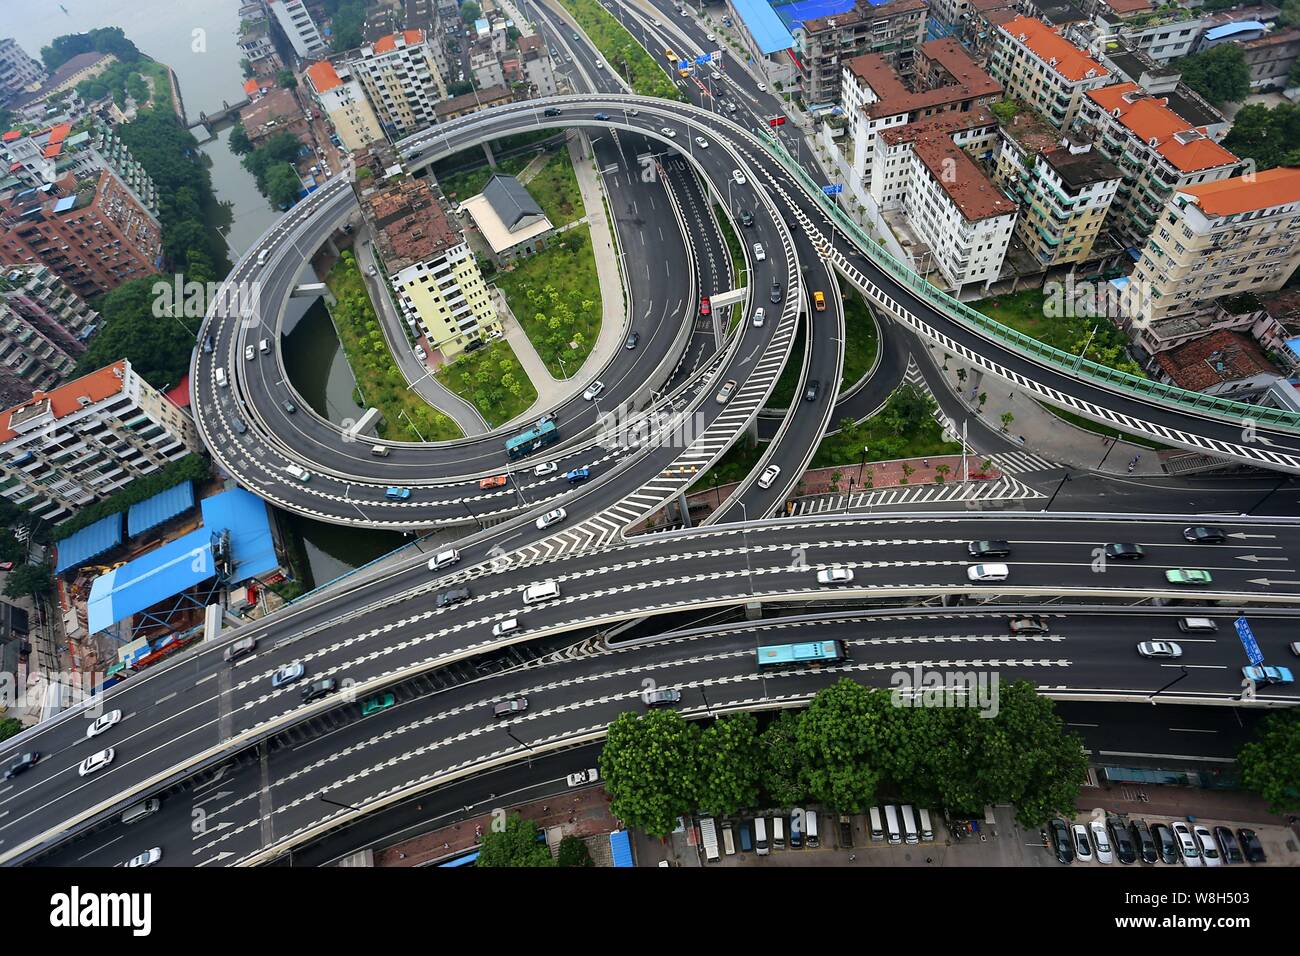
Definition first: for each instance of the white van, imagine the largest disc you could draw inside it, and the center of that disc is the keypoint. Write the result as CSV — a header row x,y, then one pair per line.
x,y
379,451
778,832
264,346
877,828
891,821
262,257
909,825
728,841
220,376
444,559
927,831
760,836
508,626
810,819
1197,625
297,471
545,591
141,810
759,254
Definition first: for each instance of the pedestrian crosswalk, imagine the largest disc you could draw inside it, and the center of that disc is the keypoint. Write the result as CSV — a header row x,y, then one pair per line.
x,y
1021,463
1001,489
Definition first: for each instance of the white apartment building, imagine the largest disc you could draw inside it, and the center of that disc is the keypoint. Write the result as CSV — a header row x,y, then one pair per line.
x,y
430,266
343,103
1217,239
43,330
401,80
486,66
1045,71
18,70
300,29
63,449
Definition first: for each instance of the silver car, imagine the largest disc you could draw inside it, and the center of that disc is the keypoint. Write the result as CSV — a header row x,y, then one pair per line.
x,y
550,518
1160,649
96,762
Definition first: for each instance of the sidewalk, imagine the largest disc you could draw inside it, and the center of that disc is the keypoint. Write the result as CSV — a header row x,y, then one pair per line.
x,y
417,374
1035,429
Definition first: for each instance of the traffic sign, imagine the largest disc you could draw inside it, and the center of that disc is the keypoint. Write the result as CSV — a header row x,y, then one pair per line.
x,y
776,121
834,189
1253,653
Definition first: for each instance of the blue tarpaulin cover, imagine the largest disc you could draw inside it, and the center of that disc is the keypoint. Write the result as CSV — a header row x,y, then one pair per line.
x,y
620,848
764,26
91,541
163,506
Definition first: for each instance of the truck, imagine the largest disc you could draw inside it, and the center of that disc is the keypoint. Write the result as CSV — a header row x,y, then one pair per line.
x,y
709,839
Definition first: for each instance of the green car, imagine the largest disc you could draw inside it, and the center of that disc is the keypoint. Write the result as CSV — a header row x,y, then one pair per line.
x,y
377,703
1187,576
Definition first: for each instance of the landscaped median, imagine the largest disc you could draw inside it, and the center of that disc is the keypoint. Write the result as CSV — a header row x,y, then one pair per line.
x,y
492,380
406,416
621,51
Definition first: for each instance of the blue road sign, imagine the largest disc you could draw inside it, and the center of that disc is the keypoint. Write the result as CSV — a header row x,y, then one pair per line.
x,y
702,60
833,189
683,64
1253,653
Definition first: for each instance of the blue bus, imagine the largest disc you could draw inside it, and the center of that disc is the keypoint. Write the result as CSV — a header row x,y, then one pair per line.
x,y
815,652
538,436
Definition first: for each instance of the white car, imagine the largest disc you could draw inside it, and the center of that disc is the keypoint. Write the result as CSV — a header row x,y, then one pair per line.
x,y
656,23
988,572
1160,649
250,353
835,576
762,87
545,468
1101,840
103,723
1186,844
147,858
583,776
96,762
594,389
550,518
738,177
669,132
711,38
1209,849
1082,845
701,142
297,471
715,75
600,65
768,476
759,317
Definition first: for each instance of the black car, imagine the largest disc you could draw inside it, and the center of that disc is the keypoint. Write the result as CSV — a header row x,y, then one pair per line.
x,y
289,406
454,596
1029,624
550,111
1125,552
1060,835
603,117
22,764
1166,845
746,217
1250,845
1142,839
776,292
1122,841
989,549
318,689
1228,844
632,340
1205,535
810,393
208,344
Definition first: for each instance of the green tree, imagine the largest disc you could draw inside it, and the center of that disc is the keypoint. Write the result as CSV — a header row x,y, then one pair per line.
x,y
1270,764
833,736
651,764
781,764
460,87
239,142
29,580
1219,74
348,25
10,726
729,754
157,345
514,845
1007,418
1271,137
286,79
573,852
470,11
283,185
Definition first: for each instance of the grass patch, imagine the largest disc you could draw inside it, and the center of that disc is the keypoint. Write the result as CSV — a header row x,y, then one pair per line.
x,y
555,295
372,364
621,52
463,183
904,428
493,381
1029,312
783,391
1099,429
555,188
736,462
739,273
860,339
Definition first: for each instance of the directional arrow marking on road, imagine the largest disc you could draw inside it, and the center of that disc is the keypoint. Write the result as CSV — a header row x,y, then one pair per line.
x,y
1242,534
218,796
1256,558
1266,582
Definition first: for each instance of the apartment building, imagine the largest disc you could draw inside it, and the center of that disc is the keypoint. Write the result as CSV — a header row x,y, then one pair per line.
x,y
401,80
1042,69
925,170
1271,57
1064,186
48,155
1165,80
93,234
18,69
467,103
1214,239
64,448
343,103
43,330
978,27
1158,153
538,69
430,266
876,97
299,28
485,65
277,111
1168,32
255,43
893,29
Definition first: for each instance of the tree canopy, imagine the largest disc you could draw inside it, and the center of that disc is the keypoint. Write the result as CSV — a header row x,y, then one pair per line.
x,y
514,844
101,40
1219,74
1270,763
1271,137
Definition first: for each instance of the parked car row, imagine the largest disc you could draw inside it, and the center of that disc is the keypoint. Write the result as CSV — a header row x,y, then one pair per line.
x,y
1189,843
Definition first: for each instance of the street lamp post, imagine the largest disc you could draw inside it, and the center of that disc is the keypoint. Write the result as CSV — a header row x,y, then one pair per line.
x,y
472,514
1048,506
1152,697
744,532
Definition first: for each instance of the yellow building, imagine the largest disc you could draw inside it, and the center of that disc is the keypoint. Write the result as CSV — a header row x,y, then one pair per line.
x,y
344,104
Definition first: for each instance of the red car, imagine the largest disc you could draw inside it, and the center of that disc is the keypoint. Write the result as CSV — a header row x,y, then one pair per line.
x,y
704,305
496,481
6,565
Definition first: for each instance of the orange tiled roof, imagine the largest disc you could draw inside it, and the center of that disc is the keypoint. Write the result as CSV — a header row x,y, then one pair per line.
x,y
12,135
59,133
52,150
1071,62
1227,197
1150,118
251,87
385,44
323,76
64,400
